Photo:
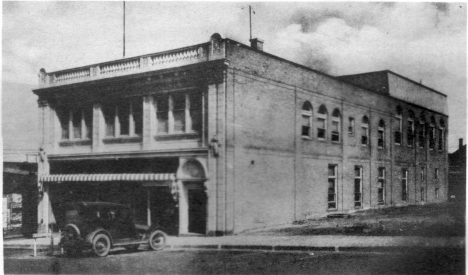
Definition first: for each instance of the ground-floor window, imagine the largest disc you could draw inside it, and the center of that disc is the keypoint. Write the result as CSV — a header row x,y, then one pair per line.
x,y
404,184
381,186
422,194
436,193
357,186
332,178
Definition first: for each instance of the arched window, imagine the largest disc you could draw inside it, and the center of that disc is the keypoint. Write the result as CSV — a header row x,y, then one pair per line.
x,y
410,129
322,123
381,134
306,131
441,135
399,125
432,133
422,131
365,131
336,125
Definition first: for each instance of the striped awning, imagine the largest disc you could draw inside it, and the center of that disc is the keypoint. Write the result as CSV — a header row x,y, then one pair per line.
x,y
106,177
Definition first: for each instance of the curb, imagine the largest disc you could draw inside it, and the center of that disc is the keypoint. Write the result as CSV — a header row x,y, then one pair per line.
x,y
279,248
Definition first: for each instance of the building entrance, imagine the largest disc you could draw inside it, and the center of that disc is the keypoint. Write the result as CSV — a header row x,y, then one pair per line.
x,y
197,211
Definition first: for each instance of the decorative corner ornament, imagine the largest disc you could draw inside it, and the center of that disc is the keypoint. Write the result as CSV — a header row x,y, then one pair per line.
x,y
215,145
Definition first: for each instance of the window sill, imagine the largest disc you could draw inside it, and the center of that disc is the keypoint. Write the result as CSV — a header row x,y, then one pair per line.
x,y
364,145
332,209
71,143
114,140
179,136
306,138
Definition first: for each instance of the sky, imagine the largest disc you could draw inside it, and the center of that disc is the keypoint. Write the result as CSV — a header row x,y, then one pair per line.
x,y
422,41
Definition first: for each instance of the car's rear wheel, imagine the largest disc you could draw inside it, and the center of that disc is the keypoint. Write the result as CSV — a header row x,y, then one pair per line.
x,y
157,240
101,245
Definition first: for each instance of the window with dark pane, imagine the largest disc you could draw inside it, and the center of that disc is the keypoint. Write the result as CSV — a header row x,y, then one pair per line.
x,y
162,109
332,180
88,121
178,111
109,118
76,121
63,115
196,106
137,115
357,186
381,186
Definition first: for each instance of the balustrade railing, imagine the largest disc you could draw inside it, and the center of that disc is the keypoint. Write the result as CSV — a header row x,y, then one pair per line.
x,y
179,57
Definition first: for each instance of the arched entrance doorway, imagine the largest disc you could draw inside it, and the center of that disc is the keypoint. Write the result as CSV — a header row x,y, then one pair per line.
x,y
193,198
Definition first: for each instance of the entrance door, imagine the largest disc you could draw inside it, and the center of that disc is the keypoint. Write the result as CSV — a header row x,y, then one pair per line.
x,y
197,211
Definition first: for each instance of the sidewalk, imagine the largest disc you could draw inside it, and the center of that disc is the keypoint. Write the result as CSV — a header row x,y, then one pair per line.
x,y
282,243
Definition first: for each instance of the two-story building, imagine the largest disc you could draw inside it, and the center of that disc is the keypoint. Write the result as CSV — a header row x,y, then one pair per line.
x,y
220,137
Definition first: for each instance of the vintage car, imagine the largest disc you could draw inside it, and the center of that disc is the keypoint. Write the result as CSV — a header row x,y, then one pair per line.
x,y
101,226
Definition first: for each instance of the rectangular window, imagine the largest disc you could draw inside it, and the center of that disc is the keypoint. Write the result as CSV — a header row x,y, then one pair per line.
x,y
436,173
332,181
423,195
109,117
381,186
335,131
436,193
351,126
196,106
306,125
404,184
123,115
421,174
321,127
441,140
410,133
162,111
137,115
365,135
380,138
422,136
178,111
77,116
357,186
432,137
63,116
398,131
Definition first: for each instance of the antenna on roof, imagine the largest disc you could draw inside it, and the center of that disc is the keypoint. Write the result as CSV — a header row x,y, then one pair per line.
x,y
124,29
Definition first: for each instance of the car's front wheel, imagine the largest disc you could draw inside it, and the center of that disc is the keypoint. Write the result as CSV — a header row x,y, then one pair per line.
x,y
157,240
101,245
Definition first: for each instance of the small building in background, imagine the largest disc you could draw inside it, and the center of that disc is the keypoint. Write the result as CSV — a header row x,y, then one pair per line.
x,y
457,174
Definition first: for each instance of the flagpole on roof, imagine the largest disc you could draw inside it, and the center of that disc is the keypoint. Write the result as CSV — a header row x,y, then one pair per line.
x,y
250,21
124,29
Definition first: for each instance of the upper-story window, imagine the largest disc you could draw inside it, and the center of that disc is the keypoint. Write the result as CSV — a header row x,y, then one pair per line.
x,y
336,125
76,122
365,131
178,113
422,132
124,118
432,134
322,123
441,135
399,125
381,135
306,131
410,129
351,126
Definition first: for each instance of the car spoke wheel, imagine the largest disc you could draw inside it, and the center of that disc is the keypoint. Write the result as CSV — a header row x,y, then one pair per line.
x,y
101,245
157,240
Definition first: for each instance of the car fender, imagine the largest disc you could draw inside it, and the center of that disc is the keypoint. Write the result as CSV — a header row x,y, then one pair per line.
x,y
89,238
77,230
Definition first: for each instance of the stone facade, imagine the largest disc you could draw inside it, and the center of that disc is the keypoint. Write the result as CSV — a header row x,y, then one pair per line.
x,y
252,140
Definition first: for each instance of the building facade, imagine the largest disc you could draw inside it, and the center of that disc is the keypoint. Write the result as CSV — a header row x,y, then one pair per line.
x,y
220,137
